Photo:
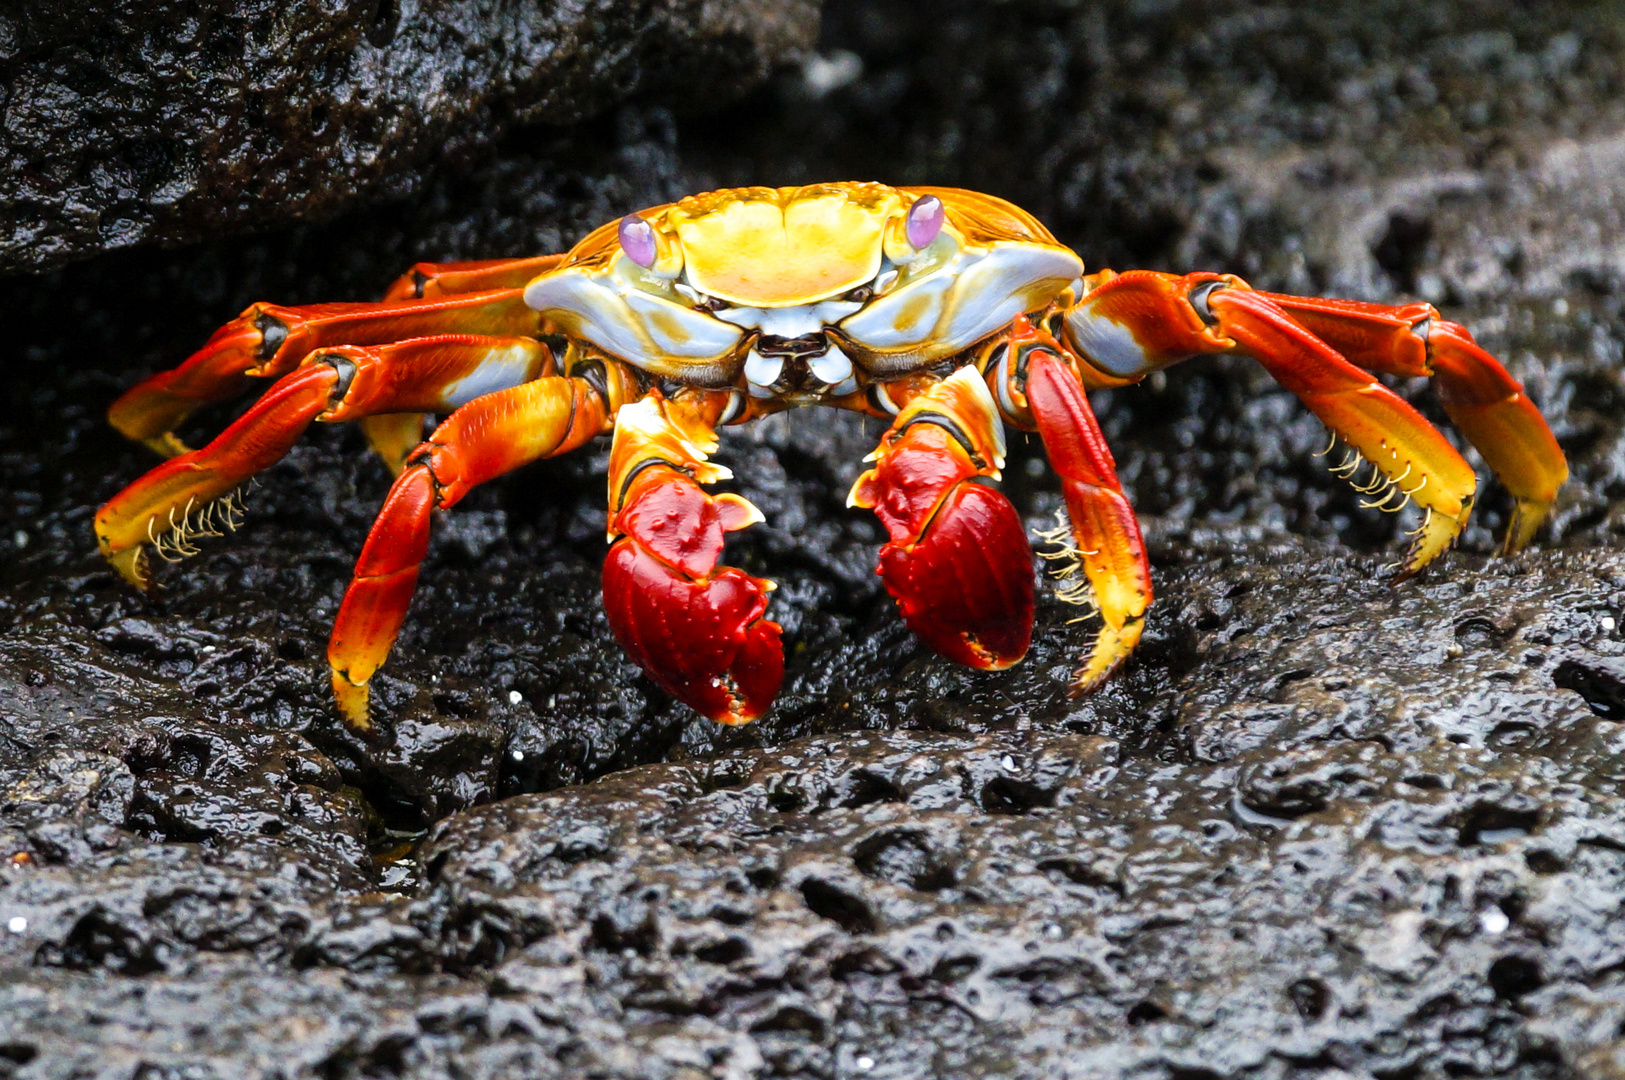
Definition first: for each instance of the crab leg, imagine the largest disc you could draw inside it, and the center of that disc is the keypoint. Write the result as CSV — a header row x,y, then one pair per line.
x,y
695,627
393,435
426,280
489,436
1482,398
957,563
179,498
269,340
1139,321
1039,378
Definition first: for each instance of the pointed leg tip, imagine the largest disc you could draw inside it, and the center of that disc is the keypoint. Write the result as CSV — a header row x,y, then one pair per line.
x,y
1437,533
132,566
352,702
1113,647
1527,517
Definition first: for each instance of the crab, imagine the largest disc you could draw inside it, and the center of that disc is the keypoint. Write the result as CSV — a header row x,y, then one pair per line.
x,y
950,313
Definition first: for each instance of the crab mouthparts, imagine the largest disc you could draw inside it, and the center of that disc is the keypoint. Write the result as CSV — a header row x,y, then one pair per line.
x,y
809,365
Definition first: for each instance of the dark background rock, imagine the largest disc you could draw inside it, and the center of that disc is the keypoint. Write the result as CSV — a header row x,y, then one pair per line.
x,y
126,124
1321,827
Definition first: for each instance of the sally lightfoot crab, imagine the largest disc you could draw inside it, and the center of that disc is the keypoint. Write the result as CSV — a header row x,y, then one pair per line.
x,y
951,313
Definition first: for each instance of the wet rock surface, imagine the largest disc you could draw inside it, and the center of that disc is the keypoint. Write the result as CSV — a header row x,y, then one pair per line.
x,y
129,124
1322,826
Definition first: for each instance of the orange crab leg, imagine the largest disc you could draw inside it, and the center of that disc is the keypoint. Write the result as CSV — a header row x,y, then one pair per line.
x,y
957,563
697,628
1482,398
1040,377
1139,321
269,340
1380,425
427,280
179,497
393,435
489,436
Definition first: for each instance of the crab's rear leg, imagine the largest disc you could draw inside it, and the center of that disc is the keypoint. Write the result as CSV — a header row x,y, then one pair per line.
x,y
957,561
489,436
393,435
697,628
427,280
269,340
1482,398
181,497
1140,321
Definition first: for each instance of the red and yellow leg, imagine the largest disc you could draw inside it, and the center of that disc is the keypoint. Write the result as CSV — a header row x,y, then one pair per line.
x,y
1159,319
268,340
484,439
1481,397
698,629
425,281
1041,380
393,435
189,495
957,561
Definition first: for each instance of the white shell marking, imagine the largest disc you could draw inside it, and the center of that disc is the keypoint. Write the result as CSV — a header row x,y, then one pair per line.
x,y
762,370
964,300
626,322
1105,344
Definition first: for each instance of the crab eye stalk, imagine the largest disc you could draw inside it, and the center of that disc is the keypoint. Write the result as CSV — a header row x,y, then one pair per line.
x,y
638,240
924,222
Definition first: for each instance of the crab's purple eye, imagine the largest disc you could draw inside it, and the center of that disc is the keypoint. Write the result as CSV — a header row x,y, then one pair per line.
x,y
638,240
924,222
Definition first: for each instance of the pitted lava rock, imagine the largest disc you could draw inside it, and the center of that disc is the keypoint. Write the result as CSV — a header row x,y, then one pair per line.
x,y
1323,826
129,124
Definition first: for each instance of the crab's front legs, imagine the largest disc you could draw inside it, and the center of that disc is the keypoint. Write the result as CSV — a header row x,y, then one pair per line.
x,y
189,494
695,627
1038,378
489,436
957,563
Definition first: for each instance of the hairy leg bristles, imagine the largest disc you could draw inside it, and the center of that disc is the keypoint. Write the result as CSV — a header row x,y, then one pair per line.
x,y
1382,487
186,526
1073,584
1390,494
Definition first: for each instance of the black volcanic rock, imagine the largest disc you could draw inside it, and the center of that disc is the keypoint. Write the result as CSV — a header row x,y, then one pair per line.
x,y
128,124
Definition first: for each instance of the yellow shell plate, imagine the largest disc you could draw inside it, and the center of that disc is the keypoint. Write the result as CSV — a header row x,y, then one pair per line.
x,y
773,247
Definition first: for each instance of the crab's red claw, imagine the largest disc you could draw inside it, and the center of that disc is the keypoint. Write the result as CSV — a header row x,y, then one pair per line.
x,y
957,563
965,586
697,628
704,641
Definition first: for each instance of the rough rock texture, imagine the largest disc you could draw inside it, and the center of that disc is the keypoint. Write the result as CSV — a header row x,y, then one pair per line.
x,y
131,123
1322,827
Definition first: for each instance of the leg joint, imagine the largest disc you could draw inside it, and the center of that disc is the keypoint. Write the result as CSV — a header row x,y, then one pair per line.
x,y
345,368
273,332
1199,296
